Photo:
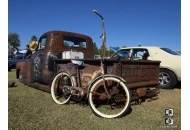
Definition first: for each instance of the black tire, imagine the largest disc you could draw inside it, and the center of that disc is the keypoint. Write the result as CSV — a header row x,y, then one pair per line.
x,y
105,107
167,79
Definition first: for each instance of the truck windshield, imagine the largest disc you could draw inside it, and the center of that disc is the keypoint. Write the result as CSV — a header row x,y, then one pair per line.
x,y
74,42
169,51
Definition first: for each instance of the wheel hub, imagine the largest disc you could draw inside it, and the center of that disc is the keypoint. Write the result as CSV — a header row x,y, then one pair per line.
x,y
66,92
164,78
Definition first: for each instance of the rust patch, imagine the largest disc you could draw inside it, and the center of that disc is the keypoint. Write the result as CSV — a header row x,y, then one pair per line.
x,y
141,91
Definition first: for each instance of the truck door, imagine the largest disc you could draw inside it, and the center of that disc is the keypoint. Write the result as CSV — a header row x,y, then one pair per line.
x,y
38,60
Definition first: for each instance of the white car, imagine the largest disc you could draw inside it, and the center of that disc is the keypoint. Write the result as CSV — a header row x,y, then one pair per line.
x,y
170,66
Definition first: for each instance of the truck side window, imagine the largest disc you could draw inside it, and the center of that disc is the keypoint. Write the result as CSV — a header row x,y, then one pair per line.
x,y
74,42
42,43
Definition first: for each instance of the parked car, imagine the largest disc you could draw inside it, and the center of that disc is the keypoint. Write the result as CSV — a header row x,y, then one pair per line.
x,y
13,59
170,67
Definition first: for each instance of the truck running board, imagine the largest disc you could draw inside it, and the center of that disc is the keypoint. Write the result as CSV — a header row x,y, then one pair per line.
x,y
45,88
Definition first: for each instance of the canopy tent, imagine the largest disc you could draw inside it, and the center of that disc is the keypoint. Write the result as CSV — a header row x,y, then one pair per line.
x,y
114,48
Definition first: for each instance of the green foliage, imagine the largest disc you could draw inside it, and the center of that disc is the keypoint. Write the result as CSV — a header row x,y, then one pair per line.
x,y
82,45
96,50
13,40
109,52
9,49
66,44
34,38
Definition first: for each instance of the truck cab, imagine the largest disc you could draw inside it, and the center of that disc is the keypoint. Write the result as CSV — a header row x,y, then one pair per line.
x,y
52,45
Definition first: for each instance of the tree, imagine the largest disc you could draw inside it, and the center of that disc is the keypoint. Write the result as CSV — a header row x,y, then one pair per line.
x,y
13,40
103,50
110,52
82,45
34,38
96,50
66,44
9,49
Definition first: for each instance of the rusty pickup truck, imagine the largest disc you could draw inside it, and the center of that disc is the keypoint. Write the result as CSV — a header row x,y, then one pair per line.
x,y
63,64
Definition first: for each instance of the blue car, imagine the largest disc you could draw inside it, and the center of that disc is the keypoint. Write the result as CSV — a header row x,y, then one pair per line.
x,y
13,59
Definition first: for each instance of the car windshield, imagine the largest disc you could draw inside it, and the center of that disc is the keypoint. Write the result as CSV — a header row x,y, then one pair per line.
x,y
121,53
169,51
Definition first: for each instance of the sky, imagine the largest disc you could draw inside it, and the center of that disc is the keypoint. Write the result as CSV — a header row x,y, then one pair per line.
x,y
127,22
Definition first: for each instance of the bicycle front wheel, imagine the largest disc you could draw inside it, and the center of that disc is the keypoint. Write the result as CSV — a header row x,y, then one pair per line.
x,y
113,106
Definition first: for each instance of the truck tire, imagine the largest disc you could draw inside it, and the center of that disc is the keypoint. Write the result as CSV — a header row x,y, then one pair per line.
x,y
167,79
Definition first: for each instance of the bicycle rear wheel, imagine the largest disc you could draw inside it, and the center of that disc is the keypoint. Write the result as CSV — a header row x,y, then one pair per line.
x,y
59,93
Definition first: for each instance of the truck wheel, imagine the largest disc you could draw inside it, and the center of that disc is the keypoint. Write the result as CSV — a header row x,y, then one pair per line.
x,y
117,105
60,94
167,79
20,77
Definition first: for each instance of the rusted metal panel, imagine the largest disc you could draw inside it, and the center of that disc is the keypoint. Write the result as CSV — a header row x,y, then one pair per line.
x,y
27,75
86,71
24,68
141,91
45,88
19,68
147,83
135,75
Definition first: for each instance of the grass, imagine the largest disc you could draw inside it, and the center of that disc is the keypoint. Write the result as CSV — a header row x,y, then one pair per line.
x,y
32,109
